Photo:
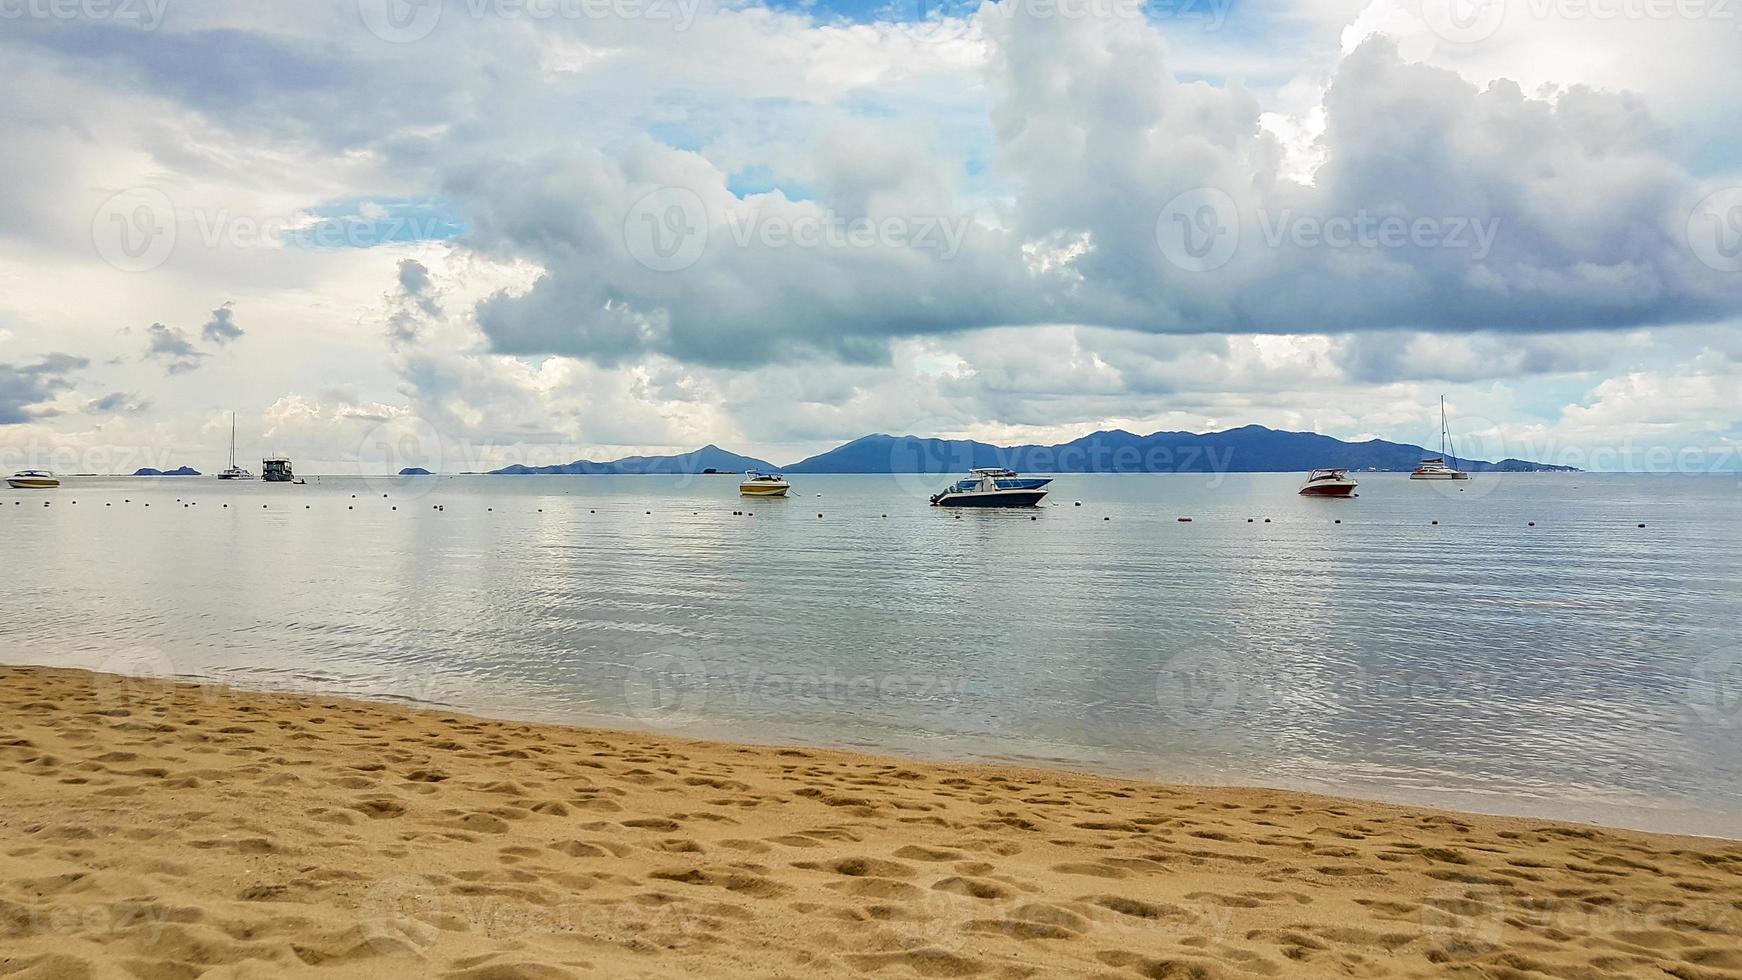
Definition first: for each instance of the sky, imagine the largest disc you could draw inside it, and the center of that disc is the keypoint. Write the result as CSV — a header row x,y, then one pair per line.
x,y
460,234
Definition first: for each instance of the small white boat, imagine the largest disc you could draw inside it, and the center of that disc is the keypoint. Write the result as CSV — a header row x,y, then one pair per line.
x,y
990,488
763,484
234,472
1329,482
1434,467
32,480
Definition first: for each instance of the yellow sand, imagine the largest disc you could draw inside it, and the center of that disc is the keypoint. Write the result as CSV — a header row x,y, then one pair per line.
x,y
166,832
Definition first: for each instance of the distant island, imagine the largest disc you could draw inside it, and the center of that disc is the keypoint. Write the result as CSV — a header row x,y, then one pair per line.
x,y
415,471
178,471
1248,449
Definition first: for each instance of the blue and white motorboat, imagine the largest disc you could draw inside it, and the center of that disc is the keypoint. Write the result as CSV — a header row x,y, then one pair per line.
x,y
992,487
1005,478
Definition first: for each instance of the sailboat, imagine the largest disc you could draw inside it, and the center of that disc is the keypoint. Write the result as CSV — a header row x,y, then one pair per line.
x,y
234,472
1436,467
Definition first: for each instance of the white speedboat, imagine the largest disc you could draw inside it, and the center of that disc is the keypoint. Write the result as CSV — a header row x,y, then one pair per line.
x,y
1435,467
763,484
1007,479
1329,482
234,472
990,488
32,480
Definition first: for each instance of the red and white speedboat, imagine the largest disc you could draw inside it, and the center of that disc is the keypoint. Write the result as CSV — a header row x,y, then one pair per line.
x,y
1328,483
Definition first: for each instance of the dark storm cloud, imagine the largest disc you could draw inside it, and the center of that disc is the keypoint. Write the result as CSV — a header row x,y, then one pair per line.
x,y
116,402
221,328
25,387
171,346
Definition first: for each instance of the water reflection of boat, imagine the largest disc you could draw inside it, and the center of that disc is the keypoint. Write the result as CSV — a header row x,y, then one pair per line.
x,y
33,480
1328,483
763,484
992,487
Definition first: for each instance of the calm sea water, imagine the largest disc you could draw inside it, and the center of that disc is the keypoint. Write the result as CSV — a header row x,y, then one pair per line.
x,y
1583,668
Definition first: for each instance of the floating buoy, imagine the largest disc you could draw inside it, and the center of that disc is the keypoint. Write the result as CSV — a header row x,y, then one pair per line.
x,y
819,513
885,515
650,513
1033,518
1077,504
390,508
592,512
1642,525
1106,518
383,496
1532,523
1436,522
350,507
1184,520
1248,520
1267,520
1339,520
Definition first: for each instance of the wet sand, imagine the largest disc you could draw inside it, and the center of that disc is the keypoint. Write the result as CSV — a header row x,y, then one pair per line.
x,y
161,831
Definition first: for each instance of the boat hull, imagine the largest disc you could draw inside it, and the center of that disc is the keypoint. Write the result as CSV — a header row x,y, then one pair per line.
x,y
1439,476
1329,490
32,483
750,490
995,498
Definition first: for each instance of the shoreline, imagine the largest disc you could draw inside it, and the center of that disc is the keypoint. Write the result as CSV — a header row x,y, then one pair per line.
x,y
165,830
1648,815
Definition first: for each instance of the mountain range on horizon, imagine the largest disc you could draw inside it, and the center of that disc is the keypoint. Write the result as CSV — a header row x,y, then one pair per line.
x,y
1247,449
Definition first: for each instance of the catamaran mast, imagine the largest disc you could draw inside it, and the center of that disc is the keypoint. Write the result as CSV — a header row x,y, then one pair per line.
x,y
1446,435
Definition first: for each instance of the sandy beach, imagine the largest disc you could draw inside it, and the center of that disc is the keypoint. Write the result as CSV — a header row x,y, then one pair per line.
x,y
160,831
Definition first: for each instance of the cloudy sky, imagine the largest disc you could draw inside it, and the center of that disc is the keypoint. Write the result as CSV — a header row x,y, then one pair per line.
x,y
463,233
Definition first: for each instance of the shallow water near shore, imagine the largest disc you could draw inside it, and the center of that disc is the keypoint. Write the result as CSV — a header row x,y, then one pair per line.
x,y
1583,668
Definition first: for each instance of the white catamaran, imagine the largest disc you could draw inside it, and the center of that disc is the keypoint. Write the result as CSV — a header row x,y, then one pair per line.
x,y
234,472
1436,467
